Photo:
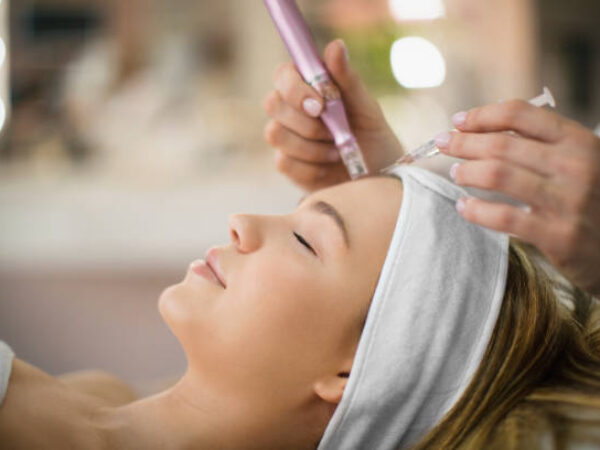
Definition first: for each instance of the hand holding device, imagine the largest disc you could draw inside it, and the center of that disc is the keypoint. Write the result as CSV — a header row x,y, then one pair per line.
x,y
306,151
296,36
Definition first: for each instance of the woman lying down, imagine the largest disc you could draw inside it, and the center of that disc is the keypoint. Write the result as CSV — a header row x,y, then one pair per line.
x,y
372,317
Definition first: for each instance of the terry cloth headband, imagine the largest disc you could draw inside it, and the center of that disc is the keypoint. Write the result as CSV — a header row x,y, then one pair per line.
x,y
429,323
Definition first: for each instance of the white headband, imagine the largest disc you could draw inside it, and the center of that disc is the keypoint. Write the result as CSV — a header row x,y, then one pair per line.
x,y
429,323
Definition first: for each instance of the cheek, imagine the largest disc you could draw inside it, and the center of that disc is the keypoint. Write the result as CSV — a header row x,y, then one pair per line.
x,y
287,314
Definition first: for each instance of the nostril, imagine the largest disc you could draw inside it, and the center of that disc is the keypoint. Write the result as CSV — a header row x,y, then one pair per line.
x,y
234,236
243,230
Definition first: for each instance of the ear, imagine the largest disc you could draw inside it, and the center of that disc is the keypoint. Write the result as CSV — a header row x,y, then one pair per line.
x,y
331,387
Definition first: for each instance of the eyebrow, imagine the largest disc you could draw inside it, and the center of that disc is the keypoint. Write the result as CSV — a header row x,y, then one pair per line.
x,y
327,209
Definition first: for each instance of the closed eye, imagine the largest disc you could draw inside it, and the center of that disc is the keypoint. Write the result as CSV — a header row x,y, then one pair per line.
x,y
303,242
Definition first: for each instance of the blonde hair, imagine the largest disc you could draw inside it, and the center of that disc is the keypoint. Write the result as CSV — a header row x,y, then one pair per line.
x,y
539,381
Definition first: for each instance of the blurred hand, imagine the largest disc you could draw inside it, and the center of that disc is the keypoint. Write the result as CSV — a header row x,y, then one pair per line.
x,y
552,165
305,149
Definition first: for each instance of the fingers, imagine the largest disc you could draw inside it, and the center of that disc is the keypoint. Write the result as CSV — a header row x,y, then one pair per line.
x,y
501,146
353,89
295,92
297,147
516,115
310,176
504,218
296,121
499,176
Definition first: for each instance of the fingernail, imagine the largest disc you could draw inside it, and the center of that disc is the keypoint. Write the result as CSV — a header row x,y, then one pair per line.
x,y
344,49
333,155
278,157
312,107
459,118
442,140
453,170
461,204
526,209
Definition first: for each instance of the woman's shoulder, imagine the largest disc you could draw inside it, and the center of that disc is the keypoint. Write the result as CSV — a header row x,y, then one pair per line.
x,y
101,385
38,409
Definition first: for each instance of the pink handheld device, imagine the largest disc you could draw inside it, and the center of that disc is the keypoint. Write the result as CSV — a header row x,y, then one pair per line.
x,y
296,36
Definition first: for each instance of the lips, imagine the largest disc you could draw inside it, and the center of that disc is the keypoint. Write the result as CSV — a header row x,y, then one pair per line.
x,y
212,260
202,269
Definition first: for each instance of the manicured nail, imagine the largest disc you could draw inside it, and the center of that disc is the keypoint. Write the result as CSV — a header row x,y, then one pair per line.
x,y
442,140
312,107
344,49
461,204
453,170
333,155
459,118
278,158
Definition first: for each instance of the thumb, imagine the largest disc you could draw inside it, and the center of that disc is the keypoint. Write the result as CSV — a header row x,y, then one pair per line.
x,y
353,89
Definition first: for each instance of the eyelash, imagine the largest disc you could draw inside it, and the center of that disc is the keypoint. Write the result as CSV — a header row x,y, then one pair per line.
x,y
303,242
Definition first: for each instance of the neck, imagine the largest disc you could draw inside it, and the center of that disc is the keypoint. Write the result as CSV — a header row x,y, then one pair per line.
x,y
187,416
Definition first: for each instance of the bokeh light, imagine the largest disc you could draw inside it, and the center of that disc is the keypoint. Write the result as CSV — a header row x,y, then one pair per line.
x,y
417,63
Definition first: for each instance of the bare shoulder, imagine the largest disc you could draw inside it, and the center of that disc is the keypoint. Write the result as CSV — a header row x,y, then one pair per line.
x,y
102,385
39,411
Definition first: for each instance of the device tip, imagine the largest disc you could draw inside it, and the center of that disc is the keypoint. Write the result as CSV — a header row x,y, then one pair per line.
x,y
353,160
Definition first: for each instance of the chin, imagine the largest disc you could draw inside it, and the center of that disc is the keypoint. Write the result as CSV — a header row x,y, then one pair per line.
x,y
186,311
167,306
176,304
164,301
184,308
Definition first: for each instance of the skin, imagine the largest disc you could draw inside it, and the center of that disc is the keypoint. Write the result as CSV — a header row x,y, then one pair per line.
x,y
269,355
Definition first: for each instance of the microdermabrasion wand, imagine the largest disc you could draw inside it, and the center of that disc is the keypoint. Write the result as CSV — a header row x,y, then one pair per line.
x,y
296,36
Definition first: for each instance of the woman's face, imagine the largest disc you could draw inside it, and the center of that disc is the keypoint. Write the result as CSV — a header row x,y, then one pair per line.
x,y
297,290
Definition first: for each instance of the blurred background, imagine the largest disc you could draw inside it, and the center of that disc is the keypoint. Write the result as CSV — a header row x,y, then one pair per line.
x,y
131,129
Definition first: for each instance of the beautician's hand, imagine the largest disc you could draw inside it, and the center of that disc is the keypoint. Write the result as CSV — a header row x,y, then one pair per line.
x,y
553,165
305,149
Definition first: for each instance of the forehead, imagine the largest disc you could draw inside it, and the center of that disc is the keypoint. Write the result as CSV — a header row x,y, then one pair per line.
x,y
368,206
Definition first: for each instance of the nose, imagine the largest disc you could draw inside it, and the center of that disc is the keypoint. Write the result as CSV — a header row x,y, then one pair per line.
x,y
244,231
